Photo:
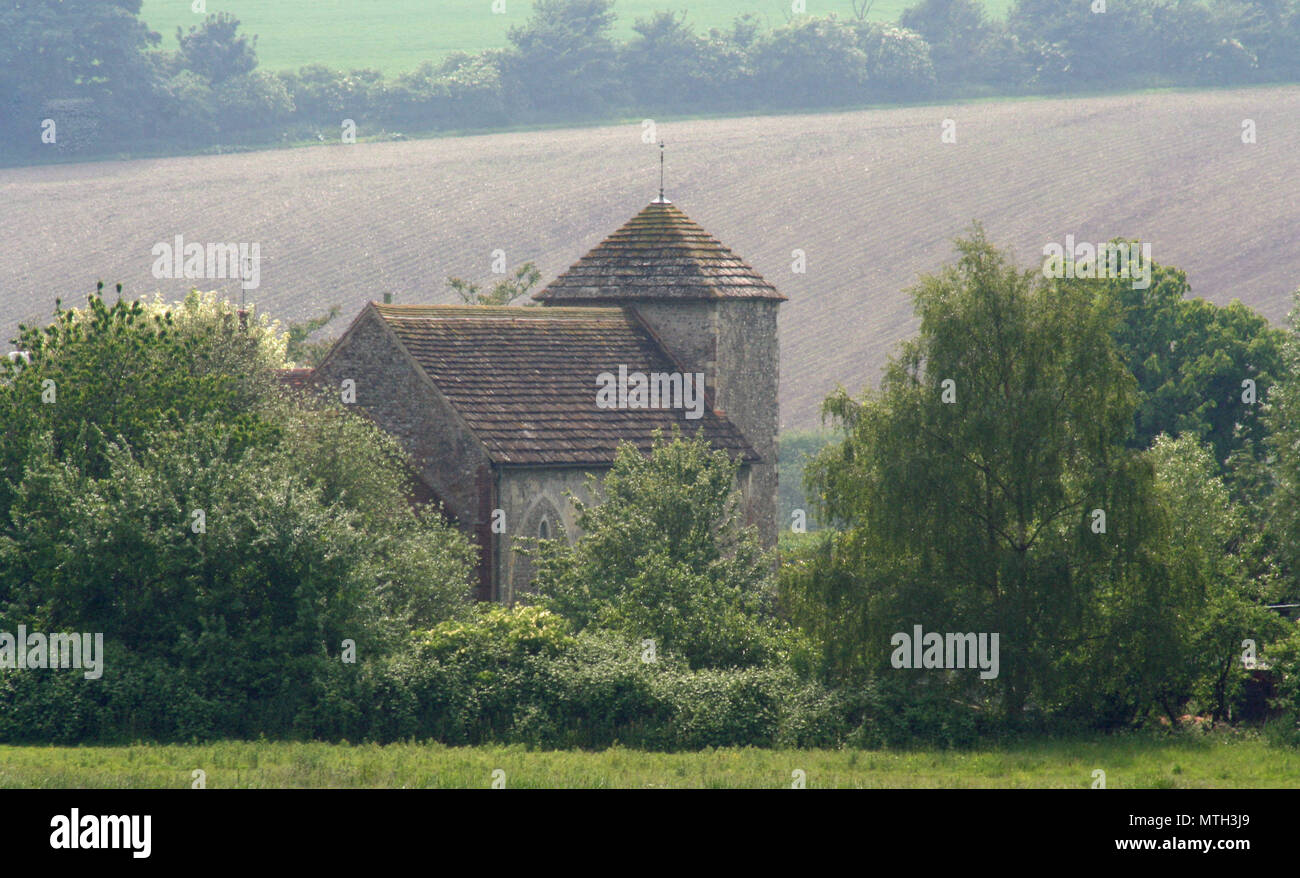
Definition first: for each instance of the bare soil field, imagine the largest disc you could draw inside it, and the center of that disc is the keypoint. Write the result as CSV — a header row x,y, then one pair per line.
x,y
873,198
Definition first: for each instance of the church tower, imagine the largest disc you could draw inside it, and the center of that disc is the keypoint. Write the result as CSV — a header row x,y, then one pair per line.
x,y
711,312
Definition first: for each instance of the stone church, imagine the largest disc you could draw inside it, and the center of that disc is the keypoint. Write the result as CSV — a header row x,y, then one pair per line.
x,y
498,406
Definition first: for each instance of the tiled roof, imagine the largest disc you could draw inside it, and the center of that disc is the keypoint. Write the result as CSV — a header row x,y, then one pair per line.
x,y
295,379
524,379
658,254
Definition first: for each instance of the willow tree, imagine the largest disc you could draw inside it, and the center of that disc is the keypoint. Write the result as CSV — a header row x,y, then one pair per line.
x,y
986,487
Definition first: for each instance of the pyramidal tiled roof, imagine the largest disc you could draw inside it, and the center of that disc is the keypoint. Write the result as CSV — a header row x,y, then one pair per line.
x,y
658,254
524,379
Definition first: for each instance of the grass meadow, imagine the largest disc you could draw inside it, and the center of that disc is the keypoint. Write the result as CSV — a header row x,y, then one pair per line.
x,y
1185,760
396,35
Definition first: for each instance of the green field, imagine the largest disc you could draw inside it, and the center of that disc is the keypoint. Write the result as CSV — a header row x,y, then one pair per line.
x,y
1183,761
396,35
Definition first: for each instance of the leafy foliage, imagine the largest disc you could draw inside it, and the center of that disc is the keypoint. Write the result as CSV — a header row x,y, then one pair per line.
x,y
1223,577
520,675
78,48
1282,415
1192,360
564,57
504,292
811,60
107,372
662,558
216,50
973,506
299,349
220,534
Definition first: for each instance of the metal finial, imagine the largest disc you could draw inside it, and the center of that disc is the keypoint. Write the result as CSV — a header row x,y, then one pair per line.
x,y
661,199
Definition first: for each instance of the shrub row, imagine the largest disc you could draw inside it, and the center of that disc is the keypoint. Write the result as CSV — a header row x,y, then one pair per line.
x,y
514,677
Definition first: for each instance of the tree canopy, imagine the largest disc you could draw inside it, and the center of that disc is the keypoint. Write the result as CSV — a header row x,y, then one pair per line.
x,y
996,482
223,533
663,557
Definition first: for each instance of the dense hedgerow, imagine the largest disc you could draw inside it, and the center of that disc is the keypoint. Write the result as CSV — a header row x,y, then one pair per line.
x,y
504,676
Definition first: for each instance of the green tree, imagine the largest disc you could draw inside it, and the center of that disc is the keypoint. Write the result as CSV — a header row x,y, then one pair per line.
x,y
663,558
1222,578
253,601
225,536
726,62
1282,416
1192,360
253,101
299,349
957,32
104,373
965,488
126,551
321,93
503,292
898,61
416,564
1077,48
1258,39
216,50
663,63
74,49
564,58
811,62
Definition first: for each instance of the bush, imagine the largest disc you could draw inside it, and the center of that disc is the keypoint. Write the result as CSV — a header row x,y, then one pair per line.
x,y
322,96
226,539
811,62
254,101
663,557
898,63
1284,656
520,676
901,711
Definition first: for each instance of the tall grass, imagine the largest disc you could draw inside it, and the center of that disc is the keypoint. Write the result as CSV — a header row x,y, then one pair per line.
x,y
1182,761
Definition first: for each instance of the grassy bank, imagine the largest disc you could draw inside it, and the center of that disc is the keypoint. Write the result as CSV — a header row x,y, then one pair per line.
x,y
1184,761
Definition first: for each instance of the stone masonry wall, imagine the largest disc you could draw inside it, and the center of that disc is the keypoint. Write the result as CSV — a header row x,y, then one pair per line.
x,y
527,496
734,343
748,359
395,395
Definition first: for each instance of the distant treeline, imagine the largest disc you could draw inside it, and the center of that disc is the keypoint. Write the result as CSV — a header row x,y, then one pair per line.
x,y
88,76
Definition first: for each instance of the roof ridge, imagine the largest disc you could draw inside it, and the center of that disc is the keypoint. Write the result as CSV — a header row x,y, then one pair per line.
x,y
526,312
